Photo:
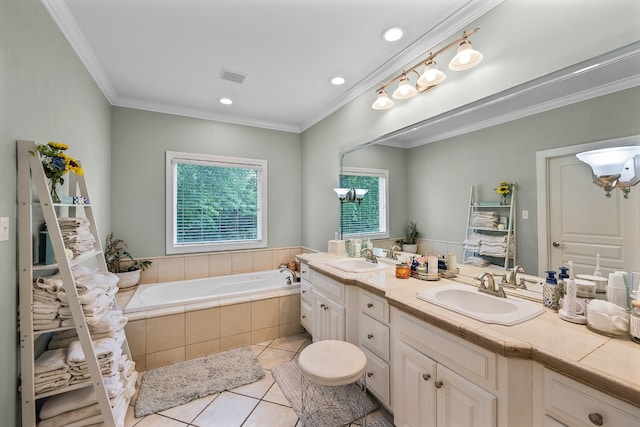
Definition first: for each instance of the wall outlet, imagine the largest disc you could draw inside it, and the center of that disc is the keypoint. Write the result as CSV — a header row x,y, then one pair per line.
x,y
525,214
4,229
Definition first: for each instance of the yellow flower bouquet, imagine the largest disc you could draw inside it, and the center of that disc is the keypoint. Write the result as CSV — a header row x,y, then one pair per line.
x,y
56,164
504,190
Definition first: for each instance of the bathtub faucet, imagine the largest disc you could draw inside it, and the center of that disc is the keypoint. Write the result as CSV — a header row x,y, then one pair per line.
x,y
293,277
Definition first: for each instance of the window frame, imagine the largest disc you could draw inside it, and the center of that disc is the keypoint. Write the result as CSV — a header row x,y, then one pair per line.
x,y
172,158
380,173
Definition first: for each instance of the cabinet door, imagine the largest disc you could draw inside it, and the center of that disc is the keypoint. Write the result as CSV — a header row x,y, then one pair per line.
x,y
462,403
414,394
334,316
318,325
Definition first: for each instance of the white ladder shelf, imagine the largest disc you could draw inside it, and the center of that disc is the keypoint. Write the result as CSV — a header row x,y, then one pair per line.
x,y
31,173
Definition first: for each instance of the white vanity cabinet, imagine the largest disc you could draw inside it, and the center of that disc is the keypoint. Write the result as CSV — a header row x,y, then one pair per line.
x,y
374,339
306,300
569,403
442,380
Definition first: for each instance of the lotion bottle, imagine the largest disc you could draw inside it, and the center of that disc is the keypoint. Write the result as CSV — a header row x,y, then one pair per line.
x,y
570,295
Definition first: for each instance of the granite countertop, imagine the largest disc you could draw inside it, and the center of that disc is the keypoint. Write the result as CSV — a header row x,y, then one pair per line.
x,y
611,365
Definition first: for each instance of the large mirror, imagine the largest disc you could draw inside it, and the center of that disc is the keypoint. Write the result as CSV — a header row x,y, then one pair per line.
x,y
433,164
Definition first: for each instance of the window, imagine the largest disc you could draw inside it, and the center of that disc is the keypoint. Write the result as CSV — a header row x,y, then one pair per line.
x,y
369,218
215,203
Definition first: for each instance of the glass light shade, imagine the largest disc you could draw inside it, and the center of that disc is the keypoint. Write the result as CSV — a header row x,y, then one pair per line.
x,y
360,193
608,161
405,89
341,192
432,75
382,102
467,57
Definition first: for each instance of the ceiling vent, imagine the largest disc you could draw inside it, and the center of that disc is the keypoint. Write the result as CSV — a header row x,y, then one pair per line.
x,y
232,76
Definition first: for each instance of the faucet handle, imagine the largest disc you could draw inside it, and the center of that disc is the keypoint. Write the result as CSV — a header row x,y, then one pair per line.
x,y
503,279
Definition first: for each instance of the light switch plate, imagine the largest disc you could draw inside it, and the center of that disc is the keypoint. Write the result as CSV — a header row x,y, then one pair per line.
x,y
525,214
4,229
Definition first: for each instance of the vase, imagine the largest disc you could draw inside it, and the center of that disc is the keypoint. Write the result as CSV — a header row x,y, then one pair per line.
x,y
128,280
53,190
505,199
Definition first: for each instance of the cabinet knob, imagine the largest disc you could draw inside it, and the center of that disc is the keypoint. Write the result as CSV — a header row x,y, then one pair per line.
x,y
369,336
304,292
304,271
369,374
596,419
322,306
304,316
325,307
426,377
369,305
438,384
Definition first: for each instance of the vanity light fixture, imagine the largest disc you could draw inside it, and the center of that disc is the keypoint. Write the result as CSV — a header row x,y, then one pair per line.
x,y
350,194
467,57
614,167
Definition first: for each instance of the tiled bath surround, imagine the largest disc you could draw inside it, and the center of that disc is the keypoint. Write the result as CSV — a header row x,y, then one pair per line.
x,y
165,336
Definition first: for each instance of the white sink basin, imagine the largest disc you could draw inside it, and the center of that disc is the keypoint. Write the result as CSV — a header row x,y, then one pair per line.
x,y
468,301
355,265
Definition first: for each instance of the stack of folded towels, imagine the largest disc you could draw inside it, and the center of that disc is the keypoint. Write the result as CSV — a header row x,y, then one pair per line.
x,y
51,371
487,245
46,303
485,219
95,293
76,234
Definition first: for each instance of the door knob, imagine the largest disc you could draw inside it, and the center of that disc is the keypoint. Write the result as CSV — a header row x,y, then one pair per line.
x,y
556,244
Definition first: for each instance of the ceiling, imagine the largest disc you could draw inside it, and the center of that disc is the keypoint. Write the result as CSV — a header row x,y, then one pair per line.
x,y
169,55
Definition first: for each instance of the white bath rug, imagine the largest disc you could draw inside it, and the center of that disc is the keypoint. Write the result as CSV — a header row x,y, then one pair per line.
x,y
174,385
328,406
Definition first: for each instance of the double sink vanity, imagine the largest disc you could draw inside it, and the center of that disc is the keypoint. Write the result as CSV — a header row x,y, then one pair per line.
x,y
440,353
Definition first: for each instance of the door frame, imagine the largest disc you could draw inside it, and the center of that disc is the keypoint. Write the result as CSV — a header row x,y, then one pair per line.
x,y
542,183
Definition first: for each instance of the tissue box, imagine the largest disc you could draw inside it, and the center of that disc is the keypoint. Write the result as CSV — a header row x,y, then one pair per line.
x,y
336,247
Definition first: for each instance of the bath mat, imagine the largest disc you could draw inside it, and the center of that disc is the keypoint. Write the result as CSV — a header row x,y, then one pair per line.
x,y
339,410
174,385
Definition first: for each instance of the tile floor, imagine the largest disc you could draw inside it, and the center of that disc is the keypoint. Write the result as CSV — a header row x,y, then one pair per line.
x,y
260,404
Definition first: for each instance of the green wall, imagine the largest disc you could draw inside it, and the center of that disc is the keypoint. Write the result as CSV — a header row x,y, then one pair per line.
x,y
45,94
139,142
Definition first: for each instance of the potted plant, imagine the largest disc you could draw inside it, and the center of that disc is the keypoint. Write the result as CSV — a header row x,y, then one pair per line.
x,y
409,244
121,263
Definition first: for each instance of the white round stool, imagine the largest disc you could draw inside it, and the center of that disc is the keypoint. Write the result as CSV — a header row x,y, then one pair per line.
x,y
326,366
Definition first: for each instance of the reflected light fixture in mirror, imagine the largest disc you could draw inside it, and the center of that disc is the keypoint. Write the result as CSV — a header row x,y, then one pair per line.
x,y
467,57
614,167
350,194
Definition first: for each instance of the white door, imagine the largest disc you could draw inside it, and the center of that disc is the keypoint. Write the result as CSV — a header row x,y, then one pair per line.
x,y
414,393
583,222
462,403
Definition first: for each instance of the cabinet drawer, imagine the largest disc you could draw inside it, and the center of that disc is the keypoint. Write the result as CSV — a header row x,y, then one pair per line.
x,y
305,272
472,362
374,336
573,403
329,287
305,291
378,379
306,316
375,306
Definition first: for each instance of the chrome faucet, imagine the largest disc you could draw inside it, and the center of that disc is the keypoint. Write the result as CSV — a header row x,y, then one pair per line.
x,y
513,279
490,287
392,252
293,278
369,255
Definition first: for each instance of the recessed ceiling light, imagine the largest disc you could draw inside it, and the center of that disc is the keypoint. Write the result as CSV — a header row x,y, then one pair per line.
x,y
337,80
392,34
226,101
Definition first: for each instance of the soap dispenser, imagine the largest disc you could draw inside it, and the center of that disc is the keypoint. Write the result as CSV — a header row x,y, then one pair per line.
x,y
562,276
550,294
569,310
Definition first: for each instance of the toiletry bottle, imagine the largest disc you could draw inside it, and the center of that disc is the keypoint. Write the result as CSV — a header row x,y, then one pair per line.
x,y
569,305
598,272
550,291
562,276
634,321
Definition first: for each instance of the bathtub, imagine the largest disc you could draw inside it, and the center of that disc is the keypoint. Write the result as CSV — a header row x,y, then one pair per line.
x,y
184,292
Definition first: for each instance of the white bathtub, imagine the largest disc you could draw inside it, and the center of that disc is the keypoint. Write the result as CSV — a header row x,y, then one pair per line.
x,y
167,294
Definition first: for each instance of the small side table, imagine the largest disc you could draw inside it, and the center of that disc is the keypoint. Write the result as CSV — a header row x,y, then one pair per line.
x,y
326,366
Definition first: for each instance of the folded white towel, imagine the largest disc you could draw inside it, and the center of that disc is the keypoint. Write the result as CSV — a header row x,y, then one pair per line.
x,y
103,348
61,342
59,382
68,401
112,320
51,360
72,417
50,283
45,326
51,376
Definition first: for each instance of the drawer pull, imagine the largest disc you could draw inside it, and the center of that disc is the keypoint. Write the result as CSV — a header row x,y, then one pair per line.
x,y
369,374
304,292
438,384
596,419
322,306
304,317
426,377
369,336
304,271
369,305
325,307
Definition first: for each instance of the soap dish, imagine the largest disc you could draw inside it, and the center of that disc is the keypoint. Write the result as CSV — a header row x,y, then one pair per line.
x,y
424,276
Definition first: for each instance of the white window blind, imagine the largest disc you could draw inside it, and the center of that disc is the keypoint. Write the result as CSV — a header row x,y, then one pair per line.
x,y
369,218
216,202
